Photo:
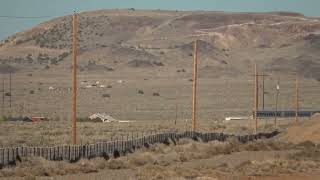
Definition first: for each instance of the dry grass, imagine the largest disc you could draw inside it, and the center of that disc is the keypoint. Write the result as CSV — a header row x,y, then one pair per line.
x,y
51,133
276,166
32,167
187,159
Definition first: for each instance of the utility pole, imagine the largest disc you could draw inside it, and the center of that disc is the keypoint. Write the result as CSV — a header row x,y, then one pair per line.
x,y
277,96
10,88
256,90
74,79
3,95
256,96
263,92
194,95
263,88
297,98
175,121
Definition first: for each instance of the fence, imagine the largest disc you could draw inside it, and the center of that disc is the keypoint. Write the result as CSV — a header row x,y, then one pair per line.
x,y
286,113
72,153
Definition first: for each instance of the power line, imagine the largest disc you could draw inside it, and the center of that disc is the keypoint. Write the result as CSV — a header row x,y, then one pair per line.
x,y
25,17
66,13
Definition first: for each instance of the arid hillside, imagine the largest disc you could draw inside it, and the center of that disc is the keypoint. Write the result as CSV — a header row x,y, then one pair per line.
x,y
127,40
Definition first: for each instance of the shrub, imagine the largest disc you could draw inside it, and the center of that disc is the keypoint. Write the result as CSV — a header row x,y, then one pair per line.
x,y
106,95
140,92
158,63
116,164
20,41
182,70
7,94
156,94
63,55
86,119
54,61
31,92
4,118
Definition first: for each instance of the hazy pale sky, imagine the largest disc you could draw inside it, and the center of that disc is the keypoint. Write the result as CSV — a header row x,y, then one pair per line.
x,y
55,8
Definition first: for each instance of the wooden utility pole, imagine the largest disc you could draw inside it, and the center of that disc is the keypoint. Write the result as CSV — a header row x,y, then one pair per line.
x,y
263,89
175,121
3,95
297,98
10,88
74,79
194,95
256,94
277,97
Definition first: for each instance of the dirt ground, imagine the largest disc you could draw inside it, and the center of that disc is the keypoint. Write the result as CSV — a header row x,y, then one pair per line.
x,y
307,130
217,98
276,158
51,133
188,159
147,113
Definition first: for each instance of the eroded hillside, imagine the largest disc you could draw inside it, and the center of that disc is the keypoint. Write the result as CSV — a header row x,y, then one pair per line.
x,y
121,40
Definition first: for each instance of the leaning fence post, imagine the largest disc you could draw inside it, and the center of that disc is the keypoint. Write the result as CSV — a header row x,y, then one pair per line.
x,y
122,145
2,156
143,139
8,155
7,158
69,152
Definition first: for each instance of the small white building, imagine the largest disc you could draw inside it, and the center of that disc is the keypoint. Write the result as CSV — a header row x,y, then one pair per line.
x,y
234,118
103,116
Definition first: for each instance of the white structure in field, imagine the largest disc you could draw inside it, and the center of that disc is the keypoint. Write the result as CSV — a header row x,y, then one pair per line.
x,y
237,118
103,116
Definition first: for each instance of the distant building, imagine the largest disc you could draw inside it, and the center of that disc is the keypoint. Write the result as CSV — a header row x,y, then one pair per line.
x,y
103,116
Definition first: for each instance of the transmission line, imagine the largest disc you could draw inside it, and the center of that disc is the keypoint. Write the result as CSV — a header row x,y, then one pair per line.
x,y
25,17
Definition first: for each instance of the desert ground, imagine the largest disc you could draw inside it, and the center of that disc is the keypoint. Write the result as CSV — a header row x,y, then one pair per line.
x,y
282,157
137,66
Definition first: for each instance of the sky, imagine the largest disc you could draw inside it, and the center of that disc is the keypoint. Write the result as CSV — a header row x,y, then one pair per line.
x,y
56,8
